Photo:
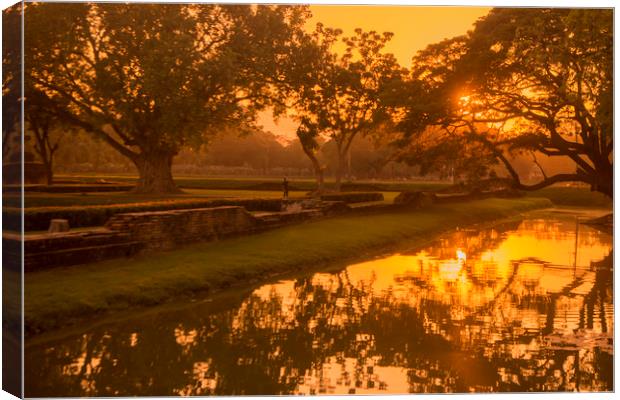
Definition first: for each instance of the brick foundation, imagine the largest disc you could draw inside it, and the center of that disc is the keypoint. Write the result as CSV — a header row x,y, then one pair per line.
x,y
165,230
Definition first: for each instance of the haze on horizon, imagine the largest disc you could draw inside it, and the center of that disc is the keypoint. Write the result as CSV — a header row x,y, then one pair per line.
x,y
414,28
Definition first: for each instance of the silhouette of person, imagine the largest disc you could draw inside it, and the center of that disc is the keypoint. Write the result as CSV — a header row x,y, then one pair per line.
x,y
285,188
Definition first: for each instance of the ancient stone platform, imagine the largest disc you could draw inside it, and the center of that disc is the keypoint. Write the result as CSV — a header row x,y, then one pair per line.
x,y
166,230
128,234
46,250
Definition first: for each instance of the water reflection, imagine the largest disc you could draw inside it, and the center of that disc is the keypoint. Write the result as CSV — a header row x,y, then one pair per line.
x,y
526,306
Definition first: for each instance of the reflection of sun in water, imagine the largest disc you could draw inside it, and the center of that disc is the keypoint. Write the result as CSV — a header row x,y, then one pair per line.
x,y
461,256
449,270
477,290
467,278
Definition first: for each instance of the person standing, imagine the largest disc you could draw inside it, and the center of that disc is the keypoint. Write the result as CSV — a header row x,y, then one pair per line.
x,y
285,188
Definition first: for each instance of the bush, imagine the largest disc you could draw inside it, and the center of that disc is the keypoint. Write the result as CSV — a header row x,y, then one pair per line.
x,y
38,218
416,199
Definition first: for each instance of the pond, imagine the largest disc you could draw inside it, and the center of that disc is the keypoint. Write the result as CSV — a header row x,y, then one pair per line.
x,y
522,306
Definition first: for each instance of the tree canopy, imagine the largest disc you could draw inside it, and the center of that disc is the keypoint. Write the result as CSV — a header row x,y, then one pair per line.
x,y
151,78
524,80
337,95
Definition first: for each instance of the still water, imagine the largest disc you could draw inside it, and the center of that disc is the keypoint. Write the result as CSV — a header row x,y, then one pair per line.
x,y
524,306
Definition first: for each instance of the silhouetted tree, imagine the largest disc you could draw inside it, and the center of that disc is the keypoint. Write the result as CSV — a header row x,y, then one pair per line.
x,y
437,151
309,138
47,128
151,78
525,80
338,96
46,144
11,80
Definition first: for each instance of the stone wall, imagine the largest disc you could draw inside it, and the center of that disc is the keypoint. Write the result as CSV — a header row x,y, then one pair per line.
x,y
165,230
11,251
269,220
69,188
43,251
128,234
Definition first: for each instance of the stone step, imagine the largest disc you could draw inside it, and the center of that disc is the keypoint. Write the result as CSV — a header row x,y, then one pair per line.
x,y
70,240
40,261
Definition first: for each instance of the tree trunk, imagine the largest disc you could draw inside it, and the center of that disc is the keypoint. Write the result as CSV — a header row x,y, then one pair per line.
x,y
155,174
318,174
316,166
318,171
603,180
339,169
349,171
607,190
49,173
600,179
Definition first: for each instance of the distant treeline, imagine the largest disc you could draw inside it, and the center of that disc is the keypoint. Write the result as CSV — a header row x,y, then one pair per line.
x,y
266,154
256,154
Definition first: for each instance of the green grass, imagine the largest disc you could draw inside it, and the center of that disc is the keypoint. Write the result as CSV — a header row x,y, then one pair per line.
x,y
11,296
562,196
266,187
107,198
573,196
35,200
269,183
64,295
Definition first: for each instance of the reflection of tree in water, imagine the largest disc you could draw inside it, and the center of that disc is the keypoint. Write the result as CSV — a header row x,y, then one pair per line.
x,y
331,333
554,358
255,349
474,240
340,324
107,364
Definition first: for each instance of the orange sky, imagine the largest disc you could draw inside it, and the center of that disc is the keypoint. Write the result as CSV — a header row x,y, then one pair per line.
x,y
414,28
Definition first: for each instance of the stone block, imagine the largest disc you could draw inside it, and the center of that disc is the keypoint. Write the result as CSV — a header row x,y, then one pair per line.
x,y
58,225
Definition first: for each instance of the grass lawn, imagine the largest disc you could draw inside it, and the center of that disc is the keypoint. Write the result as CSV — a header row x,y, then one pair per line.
x,y
62,296
106,198
572,196
34,200
562,196
264,187
253,183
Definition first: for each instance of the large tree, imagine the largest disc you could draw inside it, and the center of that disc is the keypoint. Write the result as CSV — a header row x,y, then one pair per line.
x,y
149,79
11,77
525,80
337,94
48,131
